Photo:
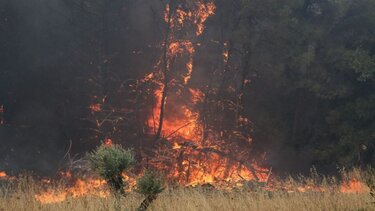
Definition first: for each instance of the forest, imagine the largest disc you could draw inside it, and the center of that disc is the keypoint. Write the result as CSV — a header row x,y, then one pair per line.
x,y
289,83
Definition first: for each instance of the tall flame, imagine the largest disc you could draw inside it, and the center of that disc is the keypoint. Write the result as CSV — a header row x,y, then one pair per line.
x,y
194,161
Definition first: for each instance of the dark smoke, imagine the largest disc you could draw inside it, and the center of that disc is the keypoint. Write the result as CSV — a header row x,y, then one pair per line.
x,y
308,94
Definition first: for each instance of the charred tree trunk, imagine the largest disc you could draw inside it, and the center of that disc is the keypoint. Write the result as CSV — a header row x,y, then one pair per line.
x,y
117,185
165,72
147,202
205,109
240,92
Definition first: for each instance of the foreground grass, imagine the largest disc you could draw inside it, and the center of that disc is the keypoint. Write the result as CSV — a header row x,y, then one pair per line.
x,y
197,199
304,193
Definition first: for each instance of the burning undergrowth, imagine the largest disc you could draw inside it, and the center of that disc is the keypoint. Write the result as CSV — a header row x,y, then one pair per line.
x,y
47,191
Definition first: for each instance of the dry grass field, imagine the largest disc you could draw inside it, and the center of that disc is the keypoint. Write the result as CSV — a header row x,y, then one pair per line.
x,y
21,196
187,199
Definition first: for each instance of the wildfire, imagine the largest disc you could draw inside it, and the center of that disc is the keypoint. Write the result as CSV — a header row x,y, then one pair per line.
x,y
80,188
194,161
204,11
309,188
179,48
198,15
221,173
189,67
108,142
95,107
183,124
3,174
353,186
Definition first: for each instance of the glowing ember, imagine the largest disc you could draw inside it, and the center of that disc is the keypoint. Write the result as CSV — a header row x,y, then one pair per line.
x,y
203,12
189,67
108,142
66,175
3,174
226,53
308,188
2,121
95,107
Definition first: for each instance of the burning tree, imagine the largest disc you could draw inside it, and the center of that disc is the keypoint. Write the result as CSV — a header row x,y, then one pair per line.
x,y
192,130
192,148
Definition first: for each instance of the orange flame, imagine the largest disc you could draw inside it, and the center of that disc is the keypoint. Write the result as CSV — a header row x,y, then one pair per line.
x,y
354,186
204,11
108,142
181,125
3,174
184,124
80,188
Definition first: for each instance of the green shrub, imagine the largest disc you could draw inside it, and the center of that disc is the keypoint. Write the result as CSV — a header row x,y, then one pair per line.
x,y
110,162
150,185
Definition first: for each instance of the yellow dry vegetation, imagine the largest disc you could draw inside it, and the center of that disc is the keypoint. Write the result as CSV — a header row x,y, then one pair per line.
x,y
189,199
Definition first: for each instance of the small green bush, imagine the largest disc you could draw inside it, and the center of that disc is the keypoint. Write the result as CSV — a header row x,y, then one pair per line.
x,y
110,162
150,185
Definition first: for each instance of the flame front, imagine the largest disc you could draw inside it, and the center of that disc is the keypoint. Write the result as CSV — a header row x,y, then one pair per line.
x,y
353,186
80,188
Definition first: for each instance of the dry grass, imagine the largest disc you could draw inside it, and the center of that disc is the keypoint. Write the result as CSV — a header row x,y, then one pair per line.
x,y
20,196
180,199
321,193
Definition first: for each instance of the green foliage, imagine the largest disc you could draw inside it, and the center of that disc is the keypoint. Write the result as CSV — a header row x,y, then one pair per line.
x,y
150,184
364,64
110,162
314,98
